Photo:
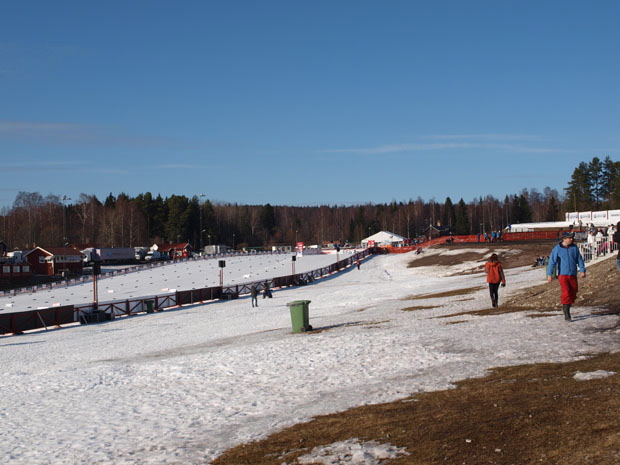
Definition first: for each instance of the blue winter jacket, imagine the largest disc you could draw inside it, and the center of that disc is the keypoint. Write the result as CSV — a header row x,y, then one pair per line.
x,y
567,259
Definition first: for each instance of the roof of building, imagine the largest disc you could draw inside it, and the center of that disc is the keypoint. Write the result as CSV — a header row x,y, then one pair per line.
x,y
57,251
385,236
439,228
179,246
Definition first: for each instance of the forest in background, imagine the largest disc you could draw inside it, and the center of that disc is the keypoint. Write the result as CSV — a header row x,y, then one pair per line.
x,y
124,221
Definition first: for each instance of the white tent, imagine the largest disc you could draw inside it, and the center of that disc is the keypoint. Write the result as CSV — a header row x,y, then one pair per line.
x,y
385,238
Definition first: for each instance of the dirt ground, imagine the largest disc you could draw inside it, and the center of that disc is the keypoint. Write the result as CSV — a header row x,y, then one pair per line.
x,y
518,415
511,254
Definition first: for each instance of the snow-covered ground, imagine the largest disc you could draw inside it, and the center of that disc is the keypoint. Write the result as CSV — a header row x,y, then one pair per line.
x,y
181,386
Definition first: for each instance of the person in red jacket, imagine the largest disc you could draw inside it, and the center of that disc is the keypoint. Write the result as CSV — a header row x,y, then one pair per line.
x,y
495,277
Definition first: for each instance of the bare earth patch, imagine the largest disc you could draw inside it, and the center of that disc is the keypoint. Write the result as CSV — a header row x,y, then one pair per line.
x,y
552,413
439,295
418,307
511,254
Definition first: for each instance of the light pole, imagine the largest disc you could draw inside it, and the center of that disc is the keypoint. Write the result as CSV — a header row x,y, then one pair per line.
x,y
337,252
222,264
64,219
293,259
200,210
233,242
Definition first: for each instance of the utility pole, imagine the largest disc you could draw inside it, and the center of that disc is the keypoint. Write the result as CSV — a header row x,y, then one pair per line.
x,y
200,203
64,219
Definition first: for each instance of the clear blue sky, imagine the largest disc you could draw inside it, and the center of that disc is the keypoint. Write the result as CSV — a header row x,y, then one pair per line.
x,y
305,103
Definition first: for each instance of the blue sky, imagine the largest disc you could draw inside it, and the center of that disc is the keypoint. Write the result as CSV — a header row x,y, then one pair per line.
x,y
305,103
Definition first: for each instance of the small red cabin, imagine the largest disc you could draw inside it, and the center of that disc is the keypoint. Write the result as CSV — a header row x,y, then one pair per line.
x,y
182,250
10,271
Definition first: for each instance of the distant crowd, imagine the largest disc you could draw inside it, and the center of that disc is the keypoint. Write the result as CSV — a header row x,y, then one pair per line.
x,y
495,236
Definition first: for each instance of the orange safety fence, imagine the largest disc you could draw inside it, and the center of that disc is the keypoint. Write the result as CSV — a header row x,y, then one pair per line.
x,y
475,238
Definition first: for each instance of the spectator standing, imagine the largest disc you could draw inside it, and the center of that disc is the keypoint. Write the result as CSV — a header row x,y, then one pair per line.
x,y
495,276
267,290
617,241
254,294
611,231
567,259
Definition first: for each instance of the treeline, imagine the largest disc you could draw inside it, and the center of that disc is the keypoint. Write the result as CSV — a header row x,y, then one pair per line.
x,y
594,186
123,221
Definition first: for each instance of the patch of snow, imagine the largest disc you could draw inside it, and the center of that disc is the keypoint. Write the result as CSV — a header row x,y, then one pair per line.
x,y
598,374
351,452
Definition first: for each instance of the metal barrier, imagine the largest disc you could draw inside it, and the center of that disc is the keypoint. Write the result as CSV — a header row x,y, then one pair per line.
x,y
597,249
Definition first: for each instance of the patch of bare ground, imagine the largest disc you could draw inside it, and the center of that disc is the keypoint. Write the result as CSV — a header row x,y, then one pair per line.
x,y
439,295
511,254
418,307
517,415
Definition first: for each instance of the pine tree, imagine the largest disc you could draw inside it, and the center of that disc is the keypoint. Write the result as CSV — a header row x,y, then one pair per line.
x,y
462,225
579,190
597,183
611,182
448,215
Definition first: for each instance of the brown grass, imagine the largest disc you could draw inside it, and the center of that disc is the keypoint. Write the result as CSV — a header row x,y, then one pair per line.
x,y
439,295
518,415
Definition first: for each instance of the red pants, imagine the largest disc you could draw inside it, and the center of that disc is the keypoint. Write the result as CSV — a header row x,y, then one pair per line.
x,y
569,287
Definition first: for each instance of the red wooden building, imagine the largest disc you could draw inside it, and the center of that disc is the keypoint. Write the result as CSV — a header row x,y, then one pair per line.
x,y
55,260
181,250
14,271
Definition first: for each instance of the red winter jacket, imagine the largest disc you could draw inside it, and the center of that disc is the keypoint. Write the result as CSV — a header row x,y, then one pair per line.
x,y
495,272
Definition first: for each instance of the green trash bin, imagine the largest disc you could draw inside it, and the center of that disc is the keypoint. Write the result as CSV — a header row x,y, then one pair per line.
x,y
299,315
149,304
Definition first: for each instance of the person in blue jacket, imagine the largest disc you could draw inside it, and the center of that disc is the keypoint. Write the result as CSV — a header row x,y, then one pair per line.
x,y
566,259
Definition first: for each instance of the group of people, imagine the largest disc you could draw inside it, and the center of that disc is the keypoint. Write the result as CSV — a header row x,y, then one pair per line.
x,y
495,236
598,238
254,293
565,262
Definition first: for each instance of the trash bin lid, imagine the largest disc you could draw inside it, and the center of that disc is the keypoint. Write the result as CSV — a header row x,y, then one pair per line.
x,y
298,302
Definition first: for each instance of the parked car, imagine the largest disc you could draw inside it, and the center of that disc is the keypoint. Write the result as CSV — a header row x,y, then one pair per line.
x,y
155,256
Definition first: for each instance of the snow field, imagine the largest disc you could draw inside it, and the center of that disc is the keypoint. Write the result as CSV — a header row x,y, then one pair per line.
x,y
182,386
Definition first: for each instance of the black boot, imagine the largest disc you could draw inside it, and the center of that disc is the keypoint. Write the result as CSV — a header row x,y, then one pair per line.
x,y
566,310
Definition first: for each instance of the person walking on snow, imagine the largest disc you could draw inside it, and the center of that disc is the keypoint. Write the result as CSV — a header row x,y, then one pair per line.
x,y
254,294
495,276
567,259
